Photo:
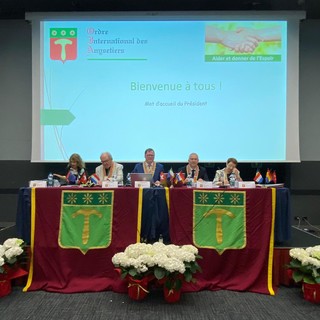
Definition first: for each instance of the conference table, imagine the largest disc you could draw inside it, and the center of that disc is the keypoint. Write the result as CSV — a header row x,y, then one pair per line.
x,y
147,214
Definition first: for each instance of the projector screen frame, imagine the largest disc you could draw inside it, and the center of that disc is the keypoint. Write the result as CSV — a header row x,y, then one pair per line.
x,y
293,18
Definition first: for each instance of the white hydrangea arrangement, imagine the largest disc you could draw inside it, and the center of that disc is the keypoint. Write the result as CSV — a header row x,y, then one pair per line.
x,y
170,263
305,264
10,250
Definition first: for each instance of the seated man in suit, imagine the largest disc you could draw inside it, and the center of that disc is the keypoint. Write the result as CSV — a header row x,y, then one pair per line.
x,y
222,176
109,169
196,172
149,166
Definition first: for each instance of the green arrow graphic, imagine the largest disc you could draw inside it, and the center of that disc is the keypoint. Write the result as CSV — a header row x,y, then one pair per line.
x,y
58,117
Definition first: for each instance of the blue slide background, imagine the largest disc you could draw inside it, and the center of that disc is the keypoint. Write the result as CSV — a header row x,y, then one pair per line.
x,y
244,116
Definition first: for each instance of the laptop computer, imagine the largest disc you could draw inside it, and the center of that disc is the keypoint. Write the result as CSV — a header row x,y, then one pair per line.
x,y
140,177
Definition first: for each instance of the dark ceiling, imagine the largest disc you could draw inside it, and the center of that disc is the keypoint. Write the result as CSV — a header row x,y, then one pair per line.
x,y
15,9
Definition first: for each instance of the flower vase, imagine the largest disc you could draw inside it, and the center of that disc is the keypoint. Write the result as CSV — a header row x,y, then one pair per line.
x,y
289,277
290,274
5,285
311,292
138,288
171,295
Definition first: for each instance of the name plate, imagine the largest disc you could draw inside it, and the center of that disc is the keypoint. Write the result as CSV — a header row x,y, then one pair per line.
x,y
142,184
204,184
37,183
109,184
245,184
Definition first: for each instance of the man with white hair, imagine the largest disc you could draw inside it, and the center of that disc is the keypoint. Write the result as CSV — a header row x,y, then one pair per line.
x,y
109,169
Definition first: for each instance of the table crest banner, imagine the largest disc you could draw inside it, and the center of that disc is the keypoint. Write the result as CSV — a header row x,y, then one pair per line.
x,y
219,220
74,235
86,220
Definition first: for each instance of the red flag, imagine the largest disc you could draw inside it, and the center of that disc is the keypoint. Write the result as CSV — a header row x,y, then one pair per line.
x,y
83,178
163,179
274,176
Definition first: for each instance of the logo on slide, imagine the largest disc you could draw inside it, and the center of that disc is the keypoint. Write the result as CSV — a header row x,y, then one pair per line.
x,y
63,44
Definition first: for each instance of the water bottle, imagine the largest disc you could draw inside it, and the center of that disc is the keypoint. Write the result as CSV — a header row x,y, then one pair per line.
x,y
189,181
160,238
232,179
128,179
50,181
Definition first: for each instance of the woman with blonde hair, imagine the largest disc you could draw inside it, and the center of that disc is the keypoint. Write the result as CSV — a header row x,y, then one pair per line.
x,y
76,171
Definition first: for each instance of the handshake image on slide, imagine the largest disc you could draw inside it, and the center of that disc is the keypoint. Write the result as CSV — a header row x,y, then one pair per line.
x,y
241,39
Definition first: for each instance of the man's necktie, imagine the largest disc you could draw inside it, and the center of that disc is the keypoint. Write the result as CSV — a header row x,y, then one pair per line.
x,y
192,174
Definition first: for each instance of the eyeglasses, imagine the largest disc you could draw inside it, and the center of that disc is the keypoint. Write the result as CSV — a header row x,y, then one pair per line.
x,y
105,161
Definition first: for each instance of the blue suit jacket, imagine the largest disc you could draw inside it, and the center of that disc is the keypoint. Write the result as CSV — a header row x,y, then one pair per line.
x,y
156,177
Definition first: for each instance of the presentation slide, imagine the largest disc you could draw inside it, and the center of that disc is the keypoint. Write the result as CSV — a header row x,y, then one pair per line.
x,y
217,88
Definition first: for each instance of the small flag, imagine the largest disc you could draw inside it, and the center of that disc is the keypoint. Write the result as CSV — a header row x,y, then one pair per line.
x,y
83,179
258,177
94,179
71,178
268,176
170,175
163,179
179,178
274,176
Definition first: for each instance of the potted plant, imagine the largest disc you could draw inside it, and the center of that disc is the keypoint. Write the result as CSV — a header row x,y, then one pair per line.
x,y
174,265
170,264
305,266
136,265
10,251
